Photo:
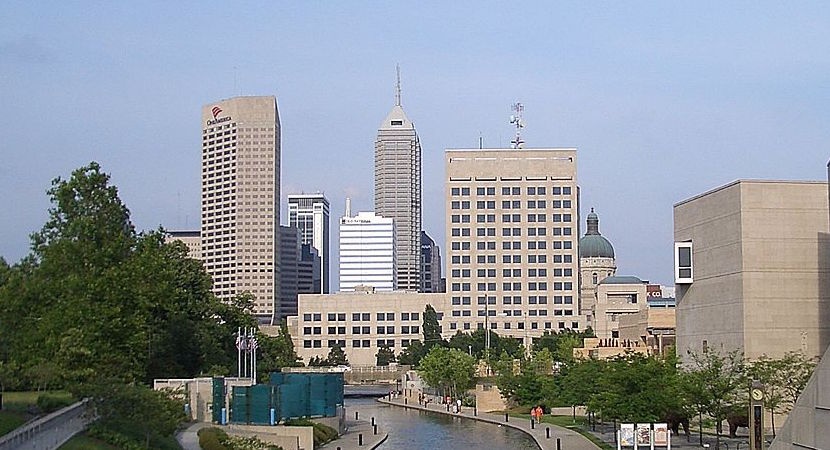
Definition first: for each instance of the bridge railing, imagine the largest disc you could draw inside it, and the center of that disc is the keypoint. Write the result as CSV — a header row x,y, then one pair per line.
x,y
49,431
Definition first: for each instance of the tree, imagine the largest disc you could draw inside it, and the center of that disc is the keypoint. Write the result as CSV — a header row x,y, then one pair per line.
x,y
532,384
276,352
783,380
579,381
412,354
337,357
450,370
97,300
122,406
561,344
431,329
715,382
636,388
385,355
475,343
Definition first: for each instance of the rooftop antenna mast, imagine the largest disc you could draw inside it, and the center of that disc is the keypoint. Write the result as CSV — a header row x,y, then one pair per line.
x,y
519,122
398,86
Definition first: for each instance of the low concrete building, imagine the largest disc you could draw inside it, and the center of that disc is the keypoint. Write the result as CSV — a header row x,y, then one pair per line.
x,y
360,322
617,296
653,327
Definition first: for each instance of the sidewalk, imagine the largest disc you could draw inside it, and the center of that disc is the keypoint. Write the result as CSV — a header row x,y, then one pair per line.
x,y
354,429
568,439
188,437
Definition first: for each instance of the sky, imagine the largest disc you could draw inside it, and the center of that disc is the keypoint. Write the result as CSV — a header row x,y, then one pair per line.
x,y
663,100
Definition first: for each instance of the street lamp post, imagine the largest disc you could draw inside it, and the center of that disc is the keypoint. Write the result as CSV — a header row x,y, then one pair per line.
x,y
487,334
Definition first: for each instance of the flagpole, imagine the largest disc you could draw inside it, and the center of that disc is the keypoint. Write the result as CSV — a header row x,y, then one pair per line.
x,y
239,352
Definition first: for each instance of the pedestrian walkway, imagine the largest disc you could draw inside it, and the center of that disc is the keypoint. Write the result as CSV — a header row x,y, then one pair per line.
x,y
188,438
547,436
360,434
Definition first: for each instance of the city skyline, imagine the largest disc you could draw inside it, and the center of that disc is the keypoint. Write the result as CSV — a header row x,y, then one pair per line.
x,y
663,101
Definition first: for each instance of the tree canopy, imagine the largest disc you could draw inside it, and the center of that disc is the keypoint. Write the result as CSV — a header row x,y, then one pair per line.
x,y
97,300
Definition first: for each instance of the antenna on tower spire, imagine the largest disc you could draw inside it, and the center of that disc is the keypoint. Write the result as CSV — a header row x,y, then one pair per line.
x,y
517,120
398,86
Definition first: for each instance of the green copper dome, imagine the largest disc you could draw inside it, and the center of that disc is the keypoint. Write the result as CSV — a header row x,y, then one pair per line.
x,y
593,245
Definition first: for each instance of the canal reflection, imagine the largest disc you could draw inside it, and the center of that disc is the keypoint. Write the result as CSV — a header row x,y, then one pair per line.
x,y
410,429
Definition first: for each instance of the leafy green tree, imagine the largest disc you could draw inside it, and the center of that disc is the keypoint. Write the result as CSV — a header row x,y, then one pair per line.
x,y
715,382
122,406
431,329
385,356
784,379
450,370
337,357
412,354
532,384
276,352
561,344
476,342
579,381
97,300
636,388
797,370
316,361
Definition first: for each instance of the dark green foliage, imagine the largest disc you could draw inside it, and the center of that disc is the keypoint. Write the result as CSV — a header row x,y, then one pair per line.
x,y
476,343
49,402
96,300
637,388
532,383
450,370
134,411
412,355
384,356
337,357
212,438
431,329
561,344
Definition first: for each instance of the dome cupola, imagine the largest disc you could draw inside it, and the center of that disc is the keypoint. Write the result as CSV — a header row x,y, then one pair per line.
x,y
593,245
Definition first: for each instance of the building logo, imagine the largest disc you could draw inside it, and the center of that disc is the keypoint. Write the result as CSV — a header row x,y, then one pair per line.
x,y
216,111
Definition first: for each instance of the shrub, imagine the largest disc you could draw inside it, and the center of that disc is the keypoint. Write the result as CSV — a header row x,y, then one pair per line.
x,y
212,438
322,433
52,402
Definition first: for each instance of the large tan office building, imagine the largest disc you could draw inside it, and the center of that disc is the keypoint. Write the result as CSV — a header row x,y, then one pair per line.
x,y
752,269
240,198
512,241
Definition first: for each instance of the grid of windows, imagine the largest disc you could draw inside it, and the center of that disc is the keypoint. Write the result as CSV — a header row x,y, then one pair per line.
x,y
528,256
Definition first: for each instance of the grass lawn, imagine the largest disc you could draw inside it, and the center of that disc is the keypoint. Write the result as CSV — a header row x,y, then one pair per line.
x,y
21,401
16,406
9,420
84,442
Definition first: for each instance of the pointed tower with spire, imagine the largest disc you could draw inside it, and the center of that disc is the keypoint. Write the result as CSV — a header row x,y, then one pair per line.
x,y
596,262
398,188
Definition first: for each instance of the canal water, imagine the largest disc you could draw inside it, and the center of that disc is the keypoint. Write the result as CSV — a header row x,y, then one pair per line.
x,y
412,430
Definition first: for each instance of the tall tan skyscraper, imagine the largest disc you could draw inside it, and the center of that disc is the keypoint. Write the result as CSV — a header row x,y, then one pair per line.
x,y
240,198
398,190
512,241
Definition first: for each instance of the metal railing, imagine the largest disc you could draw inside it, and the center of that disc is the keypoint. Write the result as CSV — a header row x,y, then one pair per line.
x,y
50,431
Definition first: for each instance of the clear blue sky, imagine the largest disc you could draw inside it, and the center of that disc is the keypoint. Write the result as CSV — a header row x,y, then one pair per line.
x,y
663,100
